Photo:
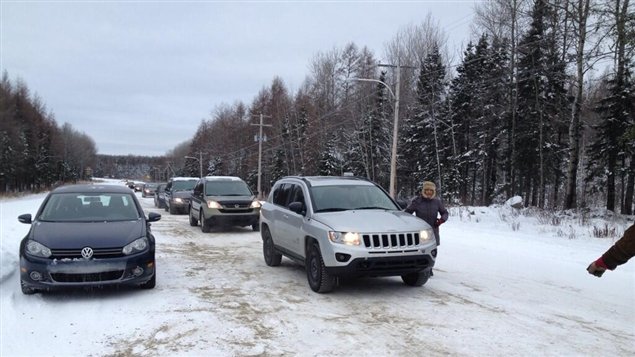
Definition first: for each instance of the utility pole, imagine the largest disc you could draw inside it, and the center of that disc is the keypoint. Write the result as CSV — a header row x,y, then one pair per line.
x,y
395,134
395,129
260,139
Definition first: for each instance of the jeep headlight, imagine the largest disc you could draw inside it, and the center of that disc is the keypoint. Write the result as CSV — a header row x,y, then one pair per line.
x,y
348,238
37,249
136,246
426,235
255,204
214,204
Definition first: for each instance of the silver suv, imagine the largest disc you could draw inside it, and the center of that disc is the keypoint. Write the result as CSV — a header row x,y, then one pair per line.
x,y
344,226
223,200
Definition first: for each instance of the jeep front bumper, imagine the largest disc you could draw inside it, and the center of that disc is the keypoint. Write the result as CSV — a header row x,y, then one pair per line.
x,y
384,266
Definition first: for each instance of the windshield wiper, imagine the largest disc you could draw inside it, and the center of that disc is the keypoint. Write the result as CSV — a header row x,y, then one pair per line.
x,y
333,209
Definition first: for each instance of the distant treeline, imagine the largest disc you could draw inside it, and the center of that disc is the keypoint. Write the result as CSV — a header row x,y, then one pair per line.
x,y
141,168
36,153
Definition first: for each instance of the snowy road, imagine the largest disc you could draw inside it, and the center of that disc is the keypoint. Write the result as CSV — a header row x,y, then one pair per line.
x,y
494,293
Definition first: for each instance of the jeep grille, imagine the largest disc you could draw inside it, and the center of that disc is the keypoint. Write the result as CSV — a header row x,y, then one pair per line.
x,y
391,240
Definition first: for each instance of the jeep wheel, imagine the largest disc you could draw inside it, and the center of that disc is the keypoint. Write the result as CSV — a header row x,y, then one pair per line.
x,y
416,279
319,280
193,220
272,258
205,226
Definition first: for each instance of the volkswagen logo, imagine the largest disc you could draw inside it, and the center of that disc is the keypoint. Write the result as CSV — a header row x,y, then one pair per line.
x,y
87,252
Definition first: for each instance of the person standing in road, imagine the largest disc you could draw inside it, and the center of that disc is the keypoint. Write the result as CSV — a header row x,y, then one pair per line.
x,y
429,208
618,254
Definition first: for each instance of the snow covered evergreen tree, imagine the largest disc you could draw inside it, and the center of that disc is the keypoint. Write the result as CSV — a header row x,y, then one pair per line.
x,y
541,99
427,147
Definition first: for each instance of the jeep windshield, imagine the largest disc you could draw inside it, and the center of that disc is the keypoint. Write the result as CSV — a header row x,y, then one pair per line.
x,y
227,188
350,197
183,185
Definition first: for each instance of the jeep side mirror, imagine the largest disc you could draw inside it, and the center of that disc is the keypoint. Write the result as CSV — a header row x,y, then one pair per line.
x,y
402,203
297,207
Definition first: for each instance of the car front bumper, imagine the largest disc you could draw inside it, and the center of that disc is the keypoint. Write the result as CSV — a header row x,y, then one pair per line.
x,y
229,218
384,266
129,270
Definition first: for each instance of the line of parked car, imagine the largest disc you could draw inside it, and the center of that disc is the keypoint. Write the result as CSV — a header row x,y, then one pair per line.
x,y
209,201
95,235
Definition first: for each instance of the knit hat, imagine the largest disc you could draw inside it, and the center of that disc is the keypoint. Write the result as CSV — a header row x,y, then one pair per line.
x,y
429,185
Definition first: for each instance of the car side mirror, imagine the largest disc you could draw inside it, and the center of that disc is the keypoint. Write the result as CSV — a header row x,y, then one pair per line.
x,y
297,207
153,217
25,218
402,203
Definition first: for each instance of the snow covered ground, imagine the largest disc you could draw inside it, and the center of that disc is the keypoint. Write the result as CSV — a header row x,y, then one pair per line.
x,y
506,282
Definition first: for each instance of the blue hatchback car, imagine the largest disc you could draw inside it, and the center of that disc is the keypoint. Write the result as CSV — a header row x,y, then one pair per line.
x,y
88,235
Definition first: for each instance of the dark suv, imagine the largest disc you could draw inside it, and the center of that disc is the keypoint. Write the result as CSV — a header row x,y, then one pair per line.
x,y
223,200
177,194
344,226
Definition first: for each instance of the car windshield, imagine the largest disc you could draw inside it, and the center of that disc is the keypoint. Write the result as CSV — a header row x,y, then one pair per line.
x,y
84,207
183,185
150,185
350,197
227,188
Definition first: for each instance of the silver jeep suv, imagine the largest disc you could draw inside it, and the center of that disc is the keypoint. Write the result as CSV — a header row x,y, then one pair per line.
x,y
344,226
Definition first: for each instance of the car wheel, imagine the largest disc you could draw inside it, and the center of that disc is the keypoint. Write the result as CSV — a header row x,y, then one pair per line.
x,y
319,280
25,289
205,226
416,279
256,227
193,220
150,284
272,258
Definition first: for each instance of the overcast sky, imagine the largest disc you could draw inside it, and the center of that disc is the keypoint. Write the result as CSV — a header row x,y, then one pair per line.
x,y
139,76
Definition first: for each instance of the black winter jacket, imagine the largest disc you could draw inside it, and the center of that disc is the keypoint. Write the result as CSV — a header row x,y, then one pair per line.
x,y
429,209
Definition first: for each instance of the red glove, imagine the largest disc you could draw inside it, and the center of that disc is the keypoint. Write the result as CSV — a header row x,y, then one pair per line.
x,y
439,222
597,268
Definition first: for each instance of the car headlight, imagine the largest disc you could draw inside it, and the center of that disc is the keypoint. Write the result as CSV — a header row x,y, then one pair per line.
x,y
348,238
178,200
137,246
37,249
214,204
426,235
255,204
